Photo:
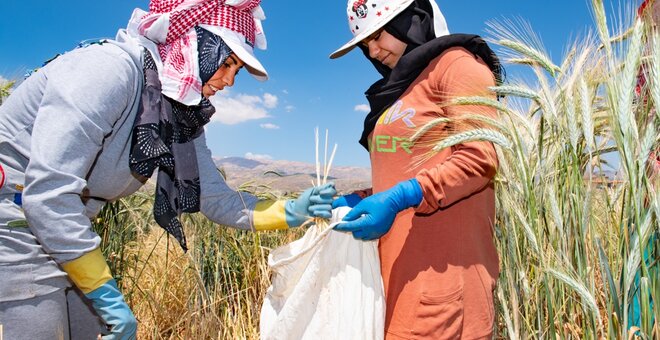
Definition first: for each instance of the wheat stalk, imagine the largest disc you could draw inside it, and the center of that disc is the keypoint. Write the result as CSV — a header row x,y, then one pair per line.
x,y
527,229
537,56
519,37
625,112
586,114
507,314
601,24
636,250
554,209
515,90
474,119
472,136
655,72
587,298
325,157
573,131
547,99
316,150
569,59
578,66
479,101
620,98
655,203
321,177
329,164
521,61
647,144
518,122
427,127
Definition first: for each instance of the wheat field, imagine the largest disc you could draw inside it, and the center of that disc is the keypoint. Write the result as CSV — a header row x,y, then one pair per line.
x,y
576,249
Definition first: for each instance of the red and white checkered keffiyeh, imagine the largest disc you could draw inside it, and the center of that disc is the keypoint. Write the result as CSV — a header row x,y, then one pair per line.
x,y
170,24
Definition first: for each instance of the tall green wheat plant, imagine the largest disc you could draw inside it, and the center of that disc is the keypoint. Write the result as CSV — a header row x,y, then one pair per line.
x,y
576,249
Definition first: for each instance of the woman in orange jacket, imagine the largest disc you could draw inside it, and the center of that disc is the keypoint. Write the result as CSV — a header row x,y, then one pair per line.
x,y
434,220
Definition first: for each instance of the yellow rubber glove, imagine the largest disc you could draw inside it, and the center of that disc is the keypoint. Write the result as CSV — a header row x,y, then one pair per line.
x,y
313,202
92,275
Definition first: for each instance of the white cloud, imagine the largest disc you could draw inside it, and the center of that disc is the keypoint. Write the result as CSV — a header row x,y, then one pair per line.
x,y
285,91
233,109
270,101
289,108
270,126
362,107
258,157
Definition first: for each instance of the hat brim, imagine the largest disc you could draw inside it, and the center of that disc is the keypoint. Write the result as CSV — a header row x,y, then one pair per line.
x,y
237,44
367,32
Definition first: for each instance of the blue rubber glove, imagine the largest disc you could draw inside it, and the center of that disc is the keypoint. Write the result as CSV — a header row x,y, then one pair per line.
x,y
374,215
109,304
313,202
350,201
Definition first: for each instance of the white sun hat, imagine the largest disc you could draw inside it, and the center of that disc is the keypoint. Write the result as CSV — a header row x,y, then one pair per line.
x,y
367,16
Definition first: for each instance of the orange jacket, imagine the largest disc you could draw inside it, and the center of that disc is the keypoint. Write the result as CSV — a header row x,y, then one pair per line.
x,y
439,262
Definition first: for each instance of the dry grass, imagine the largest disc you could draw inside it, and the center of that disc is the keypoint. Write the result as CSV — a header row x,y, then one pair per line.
x,y
214,291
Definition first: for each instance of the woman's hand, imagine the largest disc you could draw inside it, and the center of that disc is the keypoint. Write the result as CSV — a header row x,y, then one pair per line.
x,y
350,200
313,202
373,216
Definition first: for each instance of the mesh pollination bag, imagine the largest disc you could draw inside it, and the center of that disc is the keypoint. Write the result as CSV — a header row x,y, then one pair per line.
x,y
325,285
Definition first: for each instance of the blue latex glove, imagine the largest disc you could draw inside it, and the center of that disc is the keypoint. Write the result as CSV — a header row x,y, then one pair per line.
x,y
374,215
313,202
350,201
111,307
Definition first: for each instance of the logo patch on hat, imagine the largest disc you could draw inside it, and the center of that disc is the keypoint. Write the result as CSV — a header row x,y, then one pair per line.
x,y
360,8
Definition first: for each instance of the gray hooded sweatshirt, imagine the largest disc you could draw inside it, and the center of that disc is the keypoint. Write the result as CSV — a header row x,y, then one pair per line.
x,y
65,138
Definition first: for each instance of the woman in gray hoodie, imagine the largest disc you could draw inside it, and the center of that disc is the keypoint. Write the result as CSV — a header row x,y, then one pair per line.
x,y
91,127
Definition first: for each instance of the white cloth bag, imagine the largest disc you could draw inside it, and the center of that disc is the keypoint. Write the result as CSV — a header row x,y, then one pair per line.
x,y
325,285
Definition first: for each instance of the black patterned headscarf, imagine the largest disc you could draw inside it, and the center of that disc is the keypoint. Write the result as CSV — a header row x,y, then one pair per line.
x,y
212,51
163,135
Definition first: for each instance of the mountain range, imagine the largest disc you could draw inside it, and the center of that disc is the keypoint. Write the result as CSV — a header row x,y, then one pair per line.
x,y
281,177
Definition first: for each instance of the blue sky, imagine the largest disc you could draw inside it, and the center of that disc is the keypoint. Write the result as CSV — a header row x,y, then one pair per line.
x,y
276,119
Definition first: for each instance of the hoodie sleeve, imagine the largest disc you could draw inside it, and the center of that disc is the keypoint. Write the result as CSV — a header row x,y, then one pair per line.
x,y
471,166
218,202
85,93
